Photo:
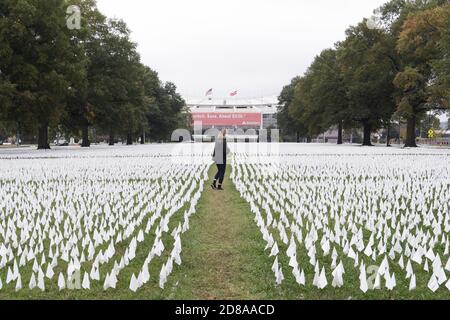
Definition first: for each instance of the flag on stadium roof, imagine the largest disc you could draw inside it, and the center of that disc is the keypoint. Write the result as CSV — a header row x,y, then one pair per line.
x,y
209,92
233,94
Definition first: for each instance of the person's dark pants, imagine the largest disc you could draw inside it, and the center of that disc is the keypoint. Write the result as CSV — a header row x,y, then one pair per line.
x,y
220,175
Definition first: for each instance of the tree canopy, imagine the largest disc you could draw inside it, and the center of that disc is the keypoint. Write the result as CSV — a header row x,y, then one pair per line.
x,y
401,67
73,79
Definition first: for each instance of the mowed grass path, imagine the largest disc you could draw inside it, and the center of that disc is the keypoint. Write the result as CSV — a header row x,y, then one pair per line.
x,y
223,255
223,258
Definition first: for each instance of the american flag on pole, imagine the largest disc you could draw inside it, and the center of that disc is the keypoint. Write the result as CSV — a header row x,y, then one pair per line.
x,y
209,92
234,93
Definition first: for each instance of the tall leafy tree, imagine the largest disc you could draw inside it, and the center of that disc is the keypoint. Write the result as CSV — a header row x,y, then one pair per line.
x,y
303,109
164,117
112,75
134,114
288,124
414,57
152,91
39,60
89,38
368,73
71,79
425,38
6,94
328,101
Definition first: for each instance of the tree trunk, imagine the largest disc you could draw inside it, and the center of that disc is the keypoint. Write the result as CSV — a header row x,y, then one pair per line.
x,y
388,135
142,139
308,139
85,136
340,130
367,135
129,139
297,137
111,139
411,132
43,138
18,135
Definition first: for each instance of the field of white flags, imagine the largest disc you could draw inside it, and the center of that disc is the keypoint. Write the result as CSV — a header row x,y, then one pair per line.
x,y
364,221
294,221
95,220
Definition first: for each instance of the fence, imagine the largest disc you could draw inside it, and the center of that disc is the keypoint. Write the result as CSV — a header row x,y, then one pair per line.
x,y
444,142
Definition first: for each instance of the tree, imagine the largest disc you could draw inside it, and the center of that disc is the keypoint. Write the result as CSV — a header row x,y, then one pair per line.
x,y
328,97
432,122
6,93
112,77
39,60
303,109
368,72
70,80
441,66
353,83
152,89
318,100
89,39
413,24
169,106
425,38
288,124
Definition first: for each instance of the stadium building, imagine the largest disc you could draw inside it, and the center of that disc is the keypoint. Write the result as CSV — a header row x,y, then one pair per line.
x,y
234,114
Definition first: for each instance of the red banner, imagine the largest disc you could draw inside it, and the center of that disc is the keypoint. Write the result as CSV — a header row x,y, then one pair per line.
x,y
227,119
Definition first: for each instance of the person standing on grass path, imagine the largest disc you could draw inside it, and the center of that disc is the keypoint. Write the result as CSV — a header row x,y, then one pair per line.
x,y
220,158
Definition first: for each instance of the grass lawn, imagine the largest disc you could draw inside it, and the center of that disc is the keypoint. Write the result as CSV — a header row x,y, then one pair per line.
x,y
223,258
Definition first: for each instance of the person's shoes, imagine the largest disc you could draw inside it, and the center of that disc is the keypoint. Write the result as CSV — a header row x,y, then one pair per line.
x,y
220,188
213,186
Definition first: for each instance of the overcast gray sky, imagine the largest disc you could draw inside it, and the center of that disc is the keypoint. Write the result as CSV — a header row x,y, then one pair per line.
x,y
253,46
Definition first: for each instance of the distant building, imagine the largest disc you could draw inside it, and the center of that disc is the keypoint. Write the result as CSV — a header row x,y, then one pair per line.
x,y
243,118
234,113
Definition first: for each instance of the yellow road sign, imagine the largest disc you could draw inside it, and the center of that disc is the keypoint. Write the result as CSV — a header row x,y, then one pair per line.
x,y
431,134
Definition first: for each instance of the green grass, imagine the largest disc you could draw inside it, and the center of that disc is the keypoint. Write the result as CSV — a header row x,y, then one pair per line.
x,y
223,252
149,291
223,258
